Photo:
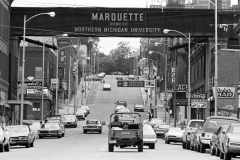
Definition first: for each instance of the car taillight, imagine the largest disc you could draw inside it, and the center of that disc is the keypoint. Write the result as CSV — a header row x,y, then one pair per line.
x,y
203,134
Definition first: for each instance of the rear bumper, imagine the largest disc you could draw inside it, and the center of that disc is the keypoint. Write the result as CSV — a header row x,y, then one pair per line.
x,y
175,139
80,117
92,129
71,124
149,141
139,110
18,142
206,142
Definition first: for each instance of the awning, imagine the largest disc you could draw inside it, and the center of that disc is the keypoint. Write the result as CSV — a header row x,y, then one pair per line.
x,y
19,102
186,44
39,43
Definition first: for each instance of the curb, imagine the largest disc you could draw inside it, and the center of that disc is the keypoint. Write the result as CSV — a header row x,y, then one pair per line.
x,y
88,93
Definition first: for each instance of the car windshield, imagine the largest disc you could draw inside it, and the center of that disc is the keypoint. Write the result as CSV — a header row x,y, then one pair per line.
x,y
121,102
138,106
214,124
50,126
52,121
196,124
91,122
235,130
81,110
69,116
147,128
156,120
163,126
17,129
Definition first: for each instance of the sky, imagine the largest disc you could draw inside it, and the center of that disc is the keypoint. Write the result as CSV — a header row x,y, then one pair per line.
x,y
106,43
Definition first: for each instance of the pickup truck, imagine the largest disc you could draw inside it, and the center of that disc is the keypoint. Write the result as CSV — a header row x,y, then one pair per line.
x,y
130,134
192,126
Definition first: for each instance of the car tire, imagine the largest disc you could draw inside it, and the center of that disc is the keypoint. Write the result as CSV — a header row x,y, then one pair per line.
x,y
121,146
84,119
183,145
7,147
27,145
202,148
110,147
227,156
40,137
84,132
212,151
140,146
1,147
63,134
100,132
217,153
75,126
192,147
152,146
198,148
221,155
59,136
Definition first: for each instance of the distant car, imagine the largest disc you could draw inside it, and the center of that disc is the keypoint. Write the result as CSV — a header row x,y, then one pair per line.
x,y
118,107
50,130
149,136
56,119
85,107
106,87
119,78
174,134
138,108
93,125
229,145
124,103
123,110
160,129
21,135
4,140
214,142
194,123
70,120
155,121
127,118
80,114
204,134
100,75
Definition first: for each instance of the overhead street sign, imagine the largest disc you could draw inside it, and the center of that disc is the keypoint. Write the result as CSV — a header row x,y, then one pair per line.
x,y
130,83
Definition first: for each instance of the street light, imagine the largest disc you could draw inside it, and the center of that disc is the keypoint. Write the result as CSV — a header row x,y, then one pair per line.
x,y
52,14
74,46
165,31
44,40
166,91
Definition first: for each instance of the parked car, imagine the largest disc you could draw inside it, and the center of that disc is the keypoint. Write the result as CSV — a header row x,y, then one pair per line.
x,y
118,107
119,77
93,125
56,119
70,120
50,130
4,140
214,142
160,129
204,134
107,87
174,134
138,108
85,107
149,136
101,75
80,113
123,103
229,143
21,135
154,121
194,123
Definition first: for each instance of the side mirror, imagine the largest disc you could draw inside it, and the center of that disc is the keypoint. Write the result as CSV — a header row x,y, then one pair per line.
x,y
223,132
103,123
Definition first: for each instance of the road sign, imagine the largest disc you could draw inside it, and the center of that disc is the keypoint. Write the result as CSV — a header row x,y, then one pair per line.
x,y
130,83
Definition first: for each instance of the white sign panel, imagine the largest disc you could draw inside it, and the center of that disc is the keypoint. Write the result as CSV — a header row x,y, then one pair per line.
x,y
225,92
54,83
149,83
199,105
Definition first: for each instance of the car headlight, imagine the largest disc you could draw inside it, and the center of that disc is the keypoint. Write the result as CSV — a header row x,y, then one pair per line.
x,y
23,137
84,126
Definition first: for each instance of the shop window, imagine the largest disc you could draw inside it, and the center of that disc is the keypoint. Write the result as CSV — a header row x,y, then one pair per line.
x,y
36,107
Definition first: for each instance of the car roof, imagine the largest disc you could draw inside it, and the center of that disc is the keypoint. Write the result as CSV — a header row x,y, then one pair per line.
x,y
93,120
221,117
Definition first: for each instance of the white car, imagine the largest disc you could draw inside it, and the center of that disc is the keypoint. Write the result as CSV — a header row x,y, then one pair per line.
x,y
106,87
4,140
149,136
119,107
80,114
174,134
85,107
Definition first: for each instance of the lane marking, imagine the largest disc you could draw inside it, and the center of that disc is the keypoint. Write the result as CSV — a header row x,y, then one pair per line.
x,y
97,155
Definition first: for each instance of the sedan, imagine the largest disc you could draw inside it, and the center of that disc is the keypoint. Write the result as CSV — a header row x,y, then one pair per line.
x,y
138,108
93,125
174,134
85,107
154,121
50,130
160,129
229,145
149,136
21,135
80,114
70,120
119,107
107,87
4,140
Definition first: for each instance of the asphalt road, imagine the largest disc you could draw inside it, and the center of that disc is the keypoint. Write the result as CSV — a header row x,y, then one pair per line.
x,y
76,145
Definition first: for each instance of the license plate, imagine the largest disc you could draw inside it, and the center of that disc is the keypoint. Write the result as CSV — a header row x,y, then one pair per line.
x,y
112,141
13,142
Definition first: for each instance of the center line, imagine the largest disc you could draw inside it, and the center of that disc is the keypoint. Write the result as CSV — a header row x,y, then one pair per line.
x,y
97,155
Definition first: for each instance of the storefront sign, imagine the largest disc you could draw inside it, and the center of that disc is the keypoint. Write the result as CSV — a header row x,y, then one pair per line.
x,y
199,105
225,92
32,84
197,95
182,87
36,92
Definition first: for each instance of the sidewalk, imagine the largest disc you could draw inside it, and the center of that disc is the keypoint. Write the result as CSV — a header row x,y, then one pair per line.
x,y
160,109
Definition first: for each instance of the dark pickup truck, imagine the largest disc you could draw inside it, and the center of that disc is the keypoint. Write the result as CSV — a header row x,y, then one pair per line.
x,y
130,134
